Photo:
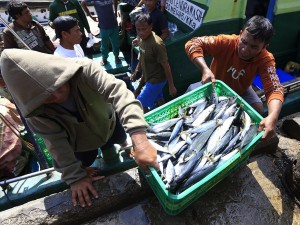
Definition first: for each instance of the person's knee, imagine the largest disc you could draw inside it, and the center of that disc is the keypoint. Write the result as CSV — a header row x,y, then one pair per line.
x,y
258,107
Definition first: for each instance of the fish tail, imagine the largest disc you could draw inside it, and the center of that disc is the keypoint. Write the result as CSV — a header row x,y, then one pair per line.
x,y
240,151
167,186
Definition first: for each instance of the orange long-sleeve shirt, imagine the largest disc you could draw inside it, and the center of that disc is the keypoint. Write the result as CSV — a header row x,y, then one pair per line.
x,y
231,69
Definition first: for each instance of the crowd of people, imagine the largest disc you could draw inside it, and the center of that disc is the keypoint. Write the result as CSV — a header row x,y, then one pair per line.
x,y
77,107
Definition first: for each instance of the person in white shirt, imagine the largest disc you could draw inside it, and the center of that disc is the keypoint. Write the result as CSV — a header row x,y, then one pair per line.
x,y
68,31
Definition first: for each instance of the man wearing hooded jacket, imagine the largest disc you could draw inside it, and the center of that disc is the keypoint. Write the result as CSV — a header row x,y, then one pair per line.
x,y
71,104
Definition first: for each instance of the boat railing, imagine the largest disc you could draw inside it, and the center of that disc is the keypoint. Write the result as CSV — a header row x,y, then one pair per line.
x,y
4,183
289,87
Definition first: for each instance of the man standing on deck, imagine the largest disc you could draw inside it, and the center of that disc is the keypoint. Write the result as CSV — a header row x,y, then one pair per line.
x,y
153,60
69,34
236,61
30,31
107,18
73,8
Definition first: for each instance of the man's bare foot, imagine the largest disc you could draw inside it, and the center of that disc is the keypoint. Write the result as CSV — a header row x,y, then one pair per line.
x,y
129,151
117,60
127,148
124,144
103,62
91,171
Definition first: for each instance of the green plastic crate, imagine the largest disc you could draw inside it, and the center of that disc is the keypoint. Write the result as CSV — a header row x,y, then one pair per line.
x,y
172,203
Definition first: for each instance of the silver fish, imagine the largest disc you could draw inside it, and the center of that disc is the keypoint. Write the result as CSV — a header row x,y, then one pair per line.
x,y
169,174
247,123
189,167
229,111
204,115
198,168
197,103
176,130
173,143
163,125
165,136
165,157
177,147
213,99
232,143
198,176
218,134
218,114
179,165
206,126
158,147
251,133
227,157
199,109
224,141
161,165
198,143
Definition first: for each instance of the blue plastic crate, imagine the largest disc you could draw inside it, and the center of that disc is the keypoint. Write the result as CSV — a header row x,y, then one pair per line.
x,y
282,75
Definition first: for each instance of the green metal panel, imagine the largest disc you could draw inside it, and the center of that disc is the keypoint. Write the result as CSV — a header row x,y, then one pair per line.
x,y
225,9
285,43
287,6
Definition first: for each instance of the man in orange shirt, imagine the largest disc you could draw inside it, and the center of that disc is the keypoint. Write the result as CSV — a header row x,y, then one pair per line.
x,y
236,61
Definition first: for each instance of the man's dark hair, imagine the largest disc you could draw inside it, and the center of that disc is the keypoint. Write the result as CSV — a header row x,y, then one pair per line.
x,y
15,8
260,28
143,17
64,23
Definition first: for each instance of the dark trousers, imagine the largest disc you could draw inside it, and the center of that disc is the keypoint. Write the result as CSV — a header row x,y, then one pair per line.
x,y
118,137
87,51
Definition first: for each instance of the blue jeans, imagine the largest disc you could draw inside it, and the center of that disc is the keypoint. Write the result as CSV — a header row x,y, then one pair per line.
x,y
151,93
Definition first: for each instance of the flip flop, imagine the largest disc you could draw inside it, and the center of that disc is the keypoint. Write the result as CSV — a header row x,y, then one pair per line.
x,y
118,61
103,62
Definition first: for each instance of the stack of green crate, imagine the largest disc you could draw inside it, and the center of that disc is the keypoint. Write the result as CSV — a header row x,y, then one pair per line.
x,y
172,203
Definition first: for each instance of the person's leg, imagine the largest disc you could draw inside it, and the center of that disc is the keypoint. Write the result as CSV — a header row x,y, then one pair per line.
x,y
118,137
87,51
87,158
150,94
115,42
252,99
104,34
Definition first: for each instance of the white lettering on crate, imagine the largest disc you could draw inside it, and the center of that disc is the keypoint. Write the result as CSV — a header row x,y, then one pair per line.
x,y
187,12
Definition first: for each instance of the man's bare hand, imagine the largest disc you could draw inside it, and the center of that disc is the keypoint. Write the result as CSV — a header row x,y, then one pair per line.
x,y
207,76
133,76
268,125
172,90
144,153
135,41
91,171
81,191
